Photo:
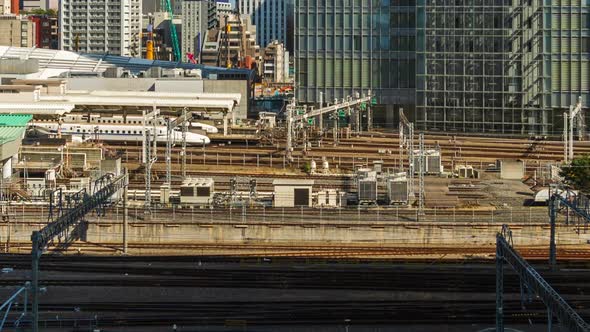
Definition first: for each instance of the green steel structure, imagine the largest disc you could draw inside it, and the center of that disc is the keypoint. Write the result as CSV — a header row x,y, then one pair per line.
x,y
173,34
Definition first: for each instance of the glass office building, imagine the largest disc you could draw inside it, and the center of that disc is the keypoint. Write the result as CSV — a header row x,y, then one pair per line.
x,y
501,66
497,66
347,46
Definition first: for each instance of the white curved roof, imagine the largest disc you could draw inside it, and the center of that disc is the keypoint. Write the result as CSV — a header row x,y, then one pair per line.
x,y
53,63
191,104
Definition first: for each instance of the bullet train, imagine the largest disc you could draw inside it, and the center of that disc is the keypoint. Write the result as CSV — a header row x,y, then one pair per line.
x,y
131,120
118,132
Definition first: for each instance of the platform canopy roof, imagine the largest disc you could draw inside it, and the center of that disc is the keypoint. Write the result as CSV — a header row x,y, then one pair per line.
x,y
140,103
36,108
235,97
12,131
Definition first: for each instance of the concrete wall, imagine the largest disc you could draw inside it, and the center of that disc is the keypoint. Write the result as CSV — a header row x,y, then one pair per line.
x,y
17,66
374,233
115,84
189,86
226,86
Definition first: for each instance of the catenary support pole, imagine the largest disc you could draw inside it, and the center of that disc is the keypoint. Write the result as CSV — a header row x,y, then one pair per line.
x,y
125,221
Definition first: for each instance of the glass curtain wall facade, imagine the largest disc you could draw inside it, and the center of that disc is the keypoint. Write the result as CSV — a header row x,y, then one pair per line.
x,y
501,66
464,79
566,57
347,46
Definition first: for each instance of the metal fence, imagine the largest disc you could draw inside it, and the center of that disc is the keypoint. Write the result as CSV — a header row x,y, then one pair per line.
x,y
24,213
331,215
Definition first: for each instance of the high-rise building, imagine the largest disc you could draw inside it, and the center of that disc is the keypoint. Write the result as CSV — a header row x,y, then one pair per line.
x,y
198,16
274,70
16,30
494,66
269,17
224,8
233,47
344,47
108,26
5,7
501,66
29,5
46,31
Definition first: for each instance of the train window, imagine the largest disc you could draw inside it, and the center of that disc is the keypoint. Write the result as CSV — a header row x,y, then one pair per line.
x,y
78,130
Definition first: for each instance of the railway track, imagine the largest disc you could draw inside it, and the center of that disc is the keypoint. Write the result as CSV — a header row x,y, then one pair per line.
x,y
406,253
385,294
355,151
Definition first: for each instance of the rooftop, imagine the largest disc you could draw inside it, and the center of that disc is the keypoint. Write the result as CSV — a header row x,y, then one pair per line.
x,y
13,126
53,63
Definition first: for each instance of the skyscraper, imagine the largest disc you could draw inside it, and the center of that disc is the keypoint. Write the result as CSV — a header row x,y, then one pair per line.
x,y
348,46
108,26
198,16
501,66
269,17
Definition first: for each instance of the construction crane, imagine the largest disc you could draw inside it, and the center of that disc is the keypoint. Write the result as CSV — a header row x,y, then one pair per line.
x,y
173,34
226,31
149,44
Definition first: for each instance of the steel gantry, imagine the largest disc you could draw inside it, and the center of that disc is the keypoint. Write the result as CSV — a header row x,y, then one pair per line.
x,y
22,292
574,118
340,108
170,138
575,202
104,189
421,170
532,280
407,141
149,151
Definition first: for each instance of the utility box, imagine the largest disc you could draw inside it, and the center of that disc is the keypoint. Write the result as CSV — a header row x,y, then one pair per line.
x,y
197,191
378,166
511,169
366,186
165,194
77,184
432,162
398,189
292,192
367,190
36,186
467,172
329,198
110,166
